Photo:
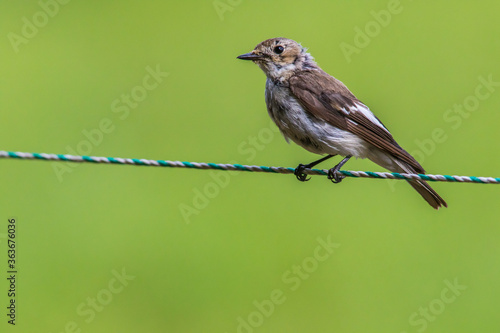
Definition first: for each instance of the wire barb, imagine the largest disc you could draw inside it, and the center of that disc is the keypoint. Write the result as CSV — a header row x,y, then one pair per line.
x,y
240,167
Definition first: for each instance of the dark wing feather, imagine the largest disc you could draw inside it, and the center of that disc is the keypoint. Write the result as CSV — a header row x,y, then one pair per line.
x,y
328,99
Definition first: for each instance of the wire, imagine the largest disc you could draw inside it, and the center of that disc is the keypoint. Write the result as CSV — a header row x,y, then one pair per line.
x,y
240,167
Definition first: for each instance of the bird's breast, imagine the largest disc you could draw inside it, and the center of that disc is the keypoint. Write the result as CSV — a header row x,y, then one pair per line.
x,y
294,122
284,109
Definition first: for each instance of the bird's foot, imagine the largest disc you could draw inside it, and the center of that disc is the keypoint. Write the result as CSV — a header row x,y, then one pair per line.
x,y
299,173
334,175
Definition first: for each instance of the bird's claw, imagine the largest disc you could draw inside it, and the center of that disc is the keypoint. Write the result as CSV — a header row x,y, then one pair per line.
x,y
299,173
335,176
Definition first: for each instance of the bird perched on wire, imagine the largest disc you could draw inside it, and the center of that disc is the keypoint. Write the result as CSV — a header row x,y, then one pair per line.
x,y
319,113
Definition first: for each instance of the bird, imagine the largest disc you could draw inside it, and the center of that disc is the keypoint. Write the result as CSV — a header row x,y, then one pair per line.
x,y
319,113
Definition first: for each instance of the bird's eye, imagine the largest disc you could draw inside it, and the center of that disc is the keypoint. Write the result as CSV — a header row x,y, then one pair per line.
x,y
279,49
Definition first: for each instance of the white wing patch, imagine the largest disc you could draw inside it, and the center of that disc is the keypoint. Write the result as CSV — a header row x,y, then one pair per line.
x,y
368,114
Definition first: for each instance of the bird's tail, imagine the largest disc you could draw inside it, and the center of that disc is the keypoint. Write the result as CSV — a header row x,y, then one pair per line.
x,y
421,186
428,193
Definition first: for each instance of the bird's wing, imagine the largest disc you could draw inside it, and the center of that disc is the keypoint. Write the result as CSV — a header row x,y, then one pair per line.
x,y
328,99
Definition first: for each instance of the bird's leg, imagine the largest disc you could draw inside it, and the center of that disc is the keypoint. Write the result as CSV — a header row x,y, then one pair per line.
x,y
299,171
333,174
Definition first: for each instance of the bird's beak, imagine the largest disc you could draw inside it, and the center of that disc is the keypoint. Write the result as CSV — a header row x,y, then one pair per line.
x,y
250,56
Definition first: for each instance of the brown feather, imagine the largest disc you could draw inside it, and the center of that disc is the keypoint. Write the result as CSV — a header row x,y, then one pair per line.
x,y
325,97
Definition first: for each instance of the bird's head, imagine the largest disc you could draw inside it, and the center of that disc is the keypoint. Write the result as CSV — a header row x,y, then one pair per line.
x,y
279,58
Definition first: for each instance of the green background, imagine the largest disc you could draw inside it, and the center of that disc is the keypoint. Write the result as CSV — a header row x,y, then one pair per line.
x,y
204,272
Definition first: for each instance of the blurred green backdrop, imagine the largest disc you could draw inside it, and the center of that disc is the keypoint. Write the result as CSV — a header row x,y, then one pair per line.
x,y
128,249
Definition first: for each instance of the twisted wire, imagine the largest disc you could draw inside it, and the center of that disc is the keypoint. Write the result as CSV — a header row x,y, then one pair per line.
x,y
240,167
